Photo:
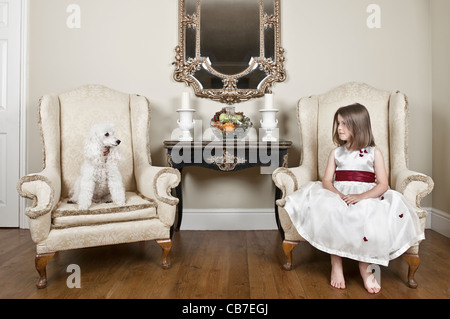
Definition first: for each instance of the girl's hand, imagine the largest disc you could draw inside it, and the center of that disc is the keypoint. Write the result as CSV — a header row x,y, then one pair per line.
x,y
352,199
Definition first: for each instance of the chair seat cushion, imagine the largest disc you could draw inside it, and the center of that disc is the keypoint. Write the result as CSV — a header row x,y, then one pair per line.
x,y
137,207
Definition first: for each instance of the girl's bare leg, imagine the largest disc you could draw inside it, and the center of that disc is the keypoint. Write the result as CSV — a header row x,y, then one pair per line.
x,y
370,283
337,272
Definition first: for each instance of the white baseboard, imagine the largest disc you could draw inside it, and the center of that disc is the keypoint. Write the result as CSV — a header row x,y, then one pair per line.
x,y
264,219
428,218
229,219
440,221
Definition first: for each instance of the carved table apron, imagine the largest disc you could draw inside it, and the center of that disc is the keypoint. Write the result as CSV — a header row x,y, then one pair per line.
x,y
225,156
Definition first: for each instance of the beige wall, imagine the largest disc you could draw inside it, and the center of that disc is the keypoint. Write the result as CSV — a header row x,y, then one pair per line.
x,y
129,45
441,103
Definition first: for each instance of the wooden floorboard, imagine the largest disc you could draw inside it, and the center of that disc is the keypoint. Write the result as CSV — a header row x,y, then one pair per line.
x,y
211,265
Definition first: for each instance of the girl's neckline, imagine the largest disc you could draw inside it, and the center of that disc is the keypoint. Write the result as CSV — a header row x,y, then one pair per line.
x,y
348,150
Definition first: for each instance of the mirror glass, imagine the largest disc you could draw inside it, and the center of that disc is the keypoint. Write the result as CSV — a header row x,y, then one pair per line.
x,y
229,50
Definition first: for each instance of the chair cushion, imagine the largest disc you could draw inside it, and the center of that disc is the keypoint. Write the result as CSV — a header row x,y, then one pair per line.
x,y
137,207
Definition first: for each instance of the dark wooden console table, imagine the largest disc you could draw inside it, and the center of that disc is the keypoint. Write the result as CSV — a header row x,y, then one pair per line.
x,y
225,156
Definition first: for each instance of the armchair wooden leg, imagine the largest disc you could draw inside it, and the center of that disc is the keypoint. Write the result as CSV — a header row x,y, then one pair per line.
x,y
288,246
413,262
41,262
166,245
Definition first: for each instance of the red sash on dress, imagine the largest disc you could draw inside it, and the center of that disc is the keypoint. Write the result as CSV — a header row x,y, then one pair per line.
x,y
355,176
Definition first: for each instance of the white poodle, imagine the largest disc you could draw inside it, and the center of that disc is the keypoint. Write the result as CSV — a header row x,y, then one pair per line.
x,y
100,179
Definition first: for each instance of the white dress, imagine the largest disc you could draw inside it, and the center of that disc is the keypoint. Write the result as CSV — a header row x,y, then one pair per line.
x,y
374,230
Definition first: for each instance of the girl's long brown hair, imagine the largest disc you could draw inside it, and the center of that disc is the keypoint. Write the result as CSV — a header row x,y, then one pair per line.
x,y
357,120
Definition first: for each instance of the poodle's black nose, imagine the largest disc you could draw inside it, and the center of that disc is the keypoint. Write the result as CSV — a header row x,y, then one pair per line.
x,y
118,142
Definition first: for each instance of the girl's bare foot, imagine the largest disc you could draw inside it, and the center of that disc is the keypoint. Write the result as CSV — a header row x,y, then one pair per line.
x,y
337,272
370,283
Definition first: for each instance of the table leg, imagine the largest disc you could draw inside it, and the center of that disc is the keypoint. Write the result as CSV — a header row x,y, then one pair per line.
x,y
278,195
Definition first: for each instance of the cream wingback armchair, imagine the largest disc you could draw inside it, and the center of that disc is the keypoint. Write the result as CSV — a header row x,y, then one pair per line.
x,y
388,111
65,121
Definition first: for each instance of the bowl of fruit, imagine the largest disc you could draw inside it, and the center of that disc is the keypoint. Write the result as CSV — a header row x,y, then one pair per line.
x,y
228,124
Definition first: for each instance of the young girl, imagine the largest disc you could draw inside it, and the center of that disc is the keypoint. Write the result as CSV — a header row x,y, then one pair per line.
x,y
352,213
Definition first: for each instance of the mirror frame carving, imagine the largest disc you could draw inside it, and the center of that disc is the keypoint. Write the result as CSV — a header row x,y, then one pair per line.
x,y
229,94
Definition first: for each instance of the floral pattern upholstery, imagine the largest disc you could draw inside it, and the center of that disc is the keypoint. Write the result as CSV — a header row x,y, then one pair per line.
x,y
65,121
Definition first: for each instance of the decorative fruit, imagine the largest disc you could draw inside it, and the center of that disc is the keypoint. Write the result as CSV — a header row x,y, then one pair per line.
x,y
218,125
228,124
223,117
228,127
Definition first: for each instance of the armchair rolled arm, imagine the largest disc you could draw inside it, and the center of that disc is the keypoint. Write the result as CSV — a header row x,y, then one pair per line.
x,y
414,186
44,188
157,183
288,180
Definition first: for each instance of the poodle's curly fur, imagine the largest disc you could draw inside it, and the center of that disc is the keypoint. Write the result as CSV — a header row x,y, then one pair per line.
x,y
100,179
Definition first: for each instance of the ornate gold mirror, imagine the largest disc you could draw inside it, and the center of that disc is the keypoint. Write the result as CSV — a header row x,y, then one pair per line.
x,y
229,50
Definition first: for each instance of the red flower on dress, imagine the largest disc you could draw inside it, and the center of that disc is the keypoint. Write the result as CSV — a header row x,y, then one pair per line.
x,y
361,153
401,215
382,197
365,239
